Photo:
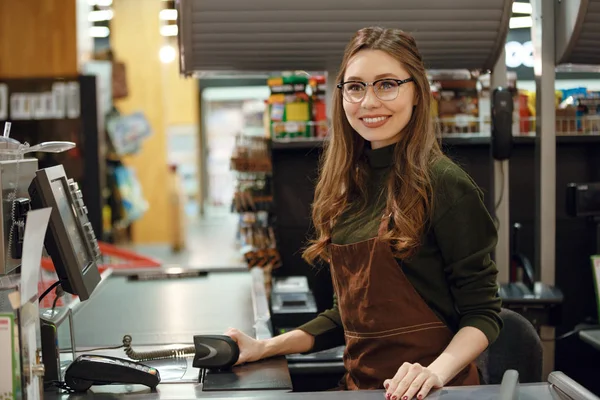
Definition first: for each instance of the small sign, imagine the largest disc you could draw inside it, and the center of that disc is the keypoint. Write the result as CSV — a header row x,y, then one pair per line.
x,y
33,245
8,366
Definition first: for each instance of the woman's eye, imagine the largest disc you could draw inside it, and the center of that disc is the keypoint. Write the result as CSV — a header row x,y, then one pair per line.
x,y
386,85
355,87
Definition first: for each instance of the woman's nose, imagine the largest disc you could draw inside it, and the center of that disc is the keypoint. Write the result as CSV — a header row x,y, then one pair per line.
x,y
370,100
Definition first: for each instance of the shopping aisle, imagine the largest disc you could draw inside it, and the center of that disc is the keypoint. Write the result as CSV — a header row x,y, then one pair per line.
x,y
210,243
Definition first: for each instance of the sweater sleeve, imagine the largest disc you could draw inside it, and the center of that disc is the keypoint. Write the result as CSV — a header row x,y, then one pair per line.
x,y
466,235
327,329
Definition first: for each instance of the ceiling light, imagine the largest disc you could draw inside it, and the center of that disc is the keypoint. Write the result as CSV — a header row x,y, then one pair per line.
x,y
168,15
169,30
167,54
102,15
521,8
520,22
99,31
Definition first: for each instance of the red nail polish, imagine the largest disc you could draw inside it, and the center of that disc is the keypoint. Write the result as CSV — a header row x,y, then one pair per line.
x,y
405,398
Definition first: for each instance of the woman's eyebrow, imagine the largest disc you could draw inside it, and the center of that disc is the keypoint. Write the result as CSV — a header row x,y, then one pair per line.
x,y
356,78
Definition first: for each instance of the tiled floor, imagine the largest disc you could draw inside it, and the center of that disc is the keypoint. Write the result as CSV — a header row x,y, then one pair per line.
x,y
211,243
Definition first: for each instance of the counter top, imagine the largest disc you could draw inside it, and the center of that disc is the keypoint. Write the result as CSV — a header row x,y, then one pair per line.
x,y
161,312
591,337
541,391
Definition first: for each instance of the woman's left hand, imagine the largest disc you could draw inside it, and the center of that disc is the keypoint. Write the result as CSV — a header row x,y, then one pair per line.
x,y
411,380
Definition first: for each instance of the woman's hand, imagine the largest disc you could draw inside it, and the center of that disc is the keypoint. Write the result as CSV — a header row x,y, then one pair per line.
x,y
411,380
250,348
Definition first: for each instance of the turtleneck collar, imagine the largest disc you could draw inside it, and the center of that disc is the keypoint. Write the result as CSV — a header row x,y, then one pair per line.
x,y
380,158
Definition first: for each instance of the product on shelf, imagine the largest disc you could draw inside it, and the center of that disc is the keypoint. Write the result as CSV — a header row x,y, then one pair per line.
x,y
289,107
458,106
250,154
253,201
319,105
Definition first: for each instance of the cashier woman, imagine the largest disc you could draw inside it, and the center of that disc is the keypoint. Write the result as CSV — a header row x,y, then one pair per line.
x,y
405,233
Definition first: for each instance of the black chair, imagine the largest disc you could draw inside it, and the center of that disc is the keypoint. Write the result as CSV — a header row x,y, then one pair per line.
x,y
518,347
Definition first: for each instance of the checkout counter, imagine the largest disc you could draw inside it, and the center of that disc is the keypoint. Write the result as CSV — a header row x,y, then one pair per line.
x,y
167,313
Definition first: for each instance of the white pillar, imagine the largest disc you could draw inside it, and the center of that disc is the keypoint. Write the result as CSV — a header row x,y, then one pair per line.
x,y
501,191
542,35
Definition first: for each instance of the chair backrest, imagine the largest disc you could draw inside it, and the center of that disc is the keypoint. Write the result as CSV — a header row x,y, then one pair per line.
x,y
517,347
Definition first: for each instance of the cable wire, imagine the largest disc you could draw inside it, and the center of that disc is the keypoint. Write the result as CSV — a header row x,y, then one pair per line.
x,y
55,284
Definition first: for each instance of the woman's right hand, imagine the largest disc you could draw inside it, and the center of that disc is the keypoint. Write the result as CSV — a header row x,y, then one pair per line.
x,y
250,349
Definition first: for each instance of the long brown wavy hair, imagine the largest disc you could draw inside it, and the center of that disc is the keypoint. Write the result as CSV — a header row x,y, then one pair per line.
x,y
343,170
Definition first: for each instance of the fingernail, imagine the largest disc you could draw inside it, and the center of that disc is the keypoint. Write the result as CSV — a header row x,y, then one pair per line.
x,y
420,396
405,398
394,398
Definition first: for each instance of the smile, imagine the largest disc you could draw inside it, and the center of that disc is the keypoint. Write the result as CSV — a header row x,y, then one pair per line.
x,y
375,122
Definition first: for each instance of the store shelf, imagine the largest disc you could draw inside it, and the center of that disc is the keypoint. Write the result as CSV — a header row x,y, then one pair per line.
x,y
452,140
297,143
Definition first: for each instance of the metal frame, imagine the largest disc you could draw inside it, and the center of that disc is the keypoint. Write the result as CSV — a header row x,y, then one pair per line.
x,y
568,28
501,174
542,34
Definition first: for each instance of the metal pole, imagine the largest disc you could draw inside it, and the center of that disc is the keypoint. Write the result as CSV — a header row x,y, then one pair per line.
x,y
542,35
501,193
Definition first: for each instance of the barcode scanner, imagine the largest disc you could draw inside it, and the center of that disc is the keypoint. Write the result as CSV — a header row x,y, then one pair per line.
x,y
215,352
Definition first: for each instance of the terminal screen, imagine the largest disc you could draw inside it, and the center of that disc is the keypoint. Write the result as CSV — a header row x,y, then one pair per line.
x,y
68,214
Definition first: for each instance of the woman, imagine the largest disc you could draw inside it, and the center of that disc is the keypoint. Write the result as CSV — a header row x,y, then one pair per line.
x,y
405,232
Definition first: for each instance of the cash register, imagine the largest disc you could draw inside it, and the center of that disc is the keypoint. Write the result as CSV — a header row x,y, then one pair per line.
x,y
71,243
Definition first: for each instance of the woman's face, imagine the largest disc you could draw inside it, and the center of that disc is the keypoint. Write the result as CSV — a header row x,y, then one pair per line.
x,y
380,122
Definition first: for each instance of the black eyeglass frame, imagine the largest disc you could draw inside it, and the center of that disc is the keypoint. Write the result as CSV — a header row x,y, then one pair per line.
x,y
400,82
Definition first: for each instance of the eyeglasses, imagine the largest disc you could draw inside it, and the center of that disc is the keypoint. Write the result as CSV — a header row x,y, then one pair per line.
x,y
385,89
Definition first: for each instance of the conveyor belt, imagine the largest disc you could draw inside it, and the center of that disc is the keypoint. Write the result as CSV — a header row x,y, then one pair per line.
x,y
163,312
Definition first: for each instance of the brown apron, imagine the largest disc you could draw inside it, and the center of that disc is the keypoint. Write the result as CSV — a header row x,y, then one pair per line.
x,y
386,322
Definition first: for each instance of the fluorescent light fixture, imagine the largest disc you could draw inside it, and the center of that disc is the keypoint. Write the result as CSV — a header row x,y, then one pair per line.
x,y
520,22
169,30
521,8
101,3
99,31
102,15
168,15
167,54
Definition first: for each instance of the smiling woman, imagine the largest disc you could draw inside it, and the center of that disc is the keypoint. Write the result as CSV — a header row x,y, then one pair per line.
x,y
391,100
405,232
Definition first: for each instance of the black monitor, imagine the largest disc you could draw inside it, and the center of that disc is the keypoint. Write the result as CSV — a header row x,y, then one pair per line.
x,y
70,240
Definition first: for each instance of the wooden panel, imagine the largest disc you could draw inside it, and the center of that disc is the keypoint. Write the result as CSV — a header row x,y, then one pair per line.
x,y
136,41
181,96
38,38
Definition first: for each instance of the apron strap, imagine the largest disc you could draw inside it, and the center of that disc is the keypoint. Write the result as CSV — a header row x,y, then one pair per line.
x,y
384,225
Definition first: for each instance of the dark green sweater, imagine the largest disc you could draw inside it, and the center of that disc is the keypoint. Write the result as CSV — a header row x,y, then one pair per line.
x,y
452,270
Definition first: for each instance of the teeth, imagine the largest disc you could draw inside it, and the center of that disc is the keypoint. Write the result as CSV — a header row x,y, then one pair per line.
x,y
374,120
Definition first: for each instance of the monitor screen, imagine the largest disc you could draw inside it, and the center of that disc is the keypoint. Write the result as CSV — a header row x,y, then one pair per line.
x,y
66,211
70,239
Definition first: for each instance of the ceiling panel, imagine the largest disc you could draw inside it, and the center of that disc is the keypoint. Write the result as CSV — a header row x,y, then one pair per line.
x,y
578,32
271,35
